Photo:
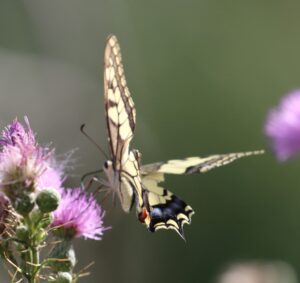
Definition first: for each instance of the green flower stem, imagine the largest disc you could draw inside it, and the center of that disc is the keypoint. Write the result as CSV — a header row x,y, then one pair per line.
x,y
35,262
32,256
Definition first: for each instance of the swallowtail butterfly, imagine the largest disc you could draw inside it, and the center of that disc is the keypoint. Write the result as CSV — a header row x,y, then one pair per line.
x,y
156,206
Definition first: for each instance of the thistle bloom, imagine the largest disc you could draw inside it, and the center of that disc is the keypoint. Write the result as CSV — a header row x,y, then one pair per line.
x,y
79,215
23,161
32,200
283,126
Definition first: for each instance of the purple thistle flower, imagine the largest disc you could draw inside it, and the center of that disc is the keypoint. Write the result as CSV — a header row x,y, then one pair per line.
x,y
283,126
79,215
15,134
23,161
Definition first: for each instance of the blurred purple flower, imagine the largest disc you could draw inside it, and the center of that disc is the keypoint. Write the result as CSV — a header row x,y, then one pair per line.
x,y
79,215
22,160
283,126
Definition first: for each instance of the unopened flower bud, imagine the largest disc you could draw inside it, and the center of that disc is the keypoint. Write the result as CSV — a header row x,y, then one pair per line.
x,y
22,233
47,220
41,235
40,219
24,203
48,200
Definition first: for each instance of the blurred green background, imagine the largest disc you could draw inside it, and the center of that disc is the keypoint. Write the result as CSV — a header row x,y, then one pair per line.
x,y
203,75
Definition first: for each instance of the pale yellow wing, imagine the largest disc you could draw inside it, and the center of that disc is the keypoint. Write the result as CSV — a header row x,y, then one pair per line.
x,y
192,165
119,106
161,209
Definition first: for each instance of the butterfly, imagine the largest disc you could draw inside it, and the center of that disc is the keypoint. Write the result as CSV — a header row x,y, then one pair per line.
x,y
134,183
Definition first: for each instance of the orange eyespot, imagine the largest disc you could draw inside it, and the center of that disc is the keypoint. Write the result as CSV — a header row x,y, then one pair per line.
x,y
143,215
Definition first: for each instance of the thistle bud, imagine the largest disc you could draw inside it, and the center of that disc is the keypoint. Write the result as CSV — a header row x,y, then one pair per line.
x,y
40,219
48,200
22,233
47,220
24,203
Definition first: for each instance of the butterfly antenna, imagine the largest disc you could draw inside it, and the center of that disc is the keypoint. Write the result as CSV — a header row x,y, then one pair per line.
x,y
92,140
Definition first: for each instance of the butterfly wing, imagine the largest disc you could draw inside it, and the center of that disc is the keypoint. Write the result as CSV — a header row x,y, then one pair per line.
x,y
157,207
119,106
161,209
192,165
120,118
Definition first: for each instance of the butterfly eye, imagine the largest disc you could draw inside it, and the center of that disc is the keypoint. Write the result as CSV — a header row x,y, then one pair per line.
x,y
105,164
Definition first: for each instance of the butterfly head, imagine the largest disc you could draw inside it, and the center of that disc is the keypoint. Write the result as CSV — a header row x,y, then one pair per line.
x,y
111,173
108,167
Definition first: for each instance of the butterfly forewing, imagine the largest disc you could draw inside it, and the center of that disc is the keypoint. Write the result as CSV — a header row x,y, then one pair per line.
x,y
121,119
192,165
119,106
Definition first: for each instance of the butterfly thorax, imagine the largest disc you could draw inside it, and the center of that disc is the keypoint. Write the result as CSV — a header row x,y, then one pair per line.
x,y
112,175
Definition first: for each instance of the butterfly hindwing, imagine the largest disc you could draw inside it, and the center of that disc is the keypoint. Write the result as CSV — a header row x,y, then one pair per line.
x,y
165,210
130,190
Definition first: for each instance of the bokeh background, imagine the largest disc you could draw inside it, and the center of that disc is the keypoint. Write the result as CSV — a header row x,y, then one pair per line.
x,y
203,75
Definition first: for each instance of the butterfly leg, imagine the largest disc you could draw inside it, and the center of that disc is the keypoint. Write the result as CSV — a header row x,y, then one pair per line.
x,y
107,193
113,199
91,180
103,187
